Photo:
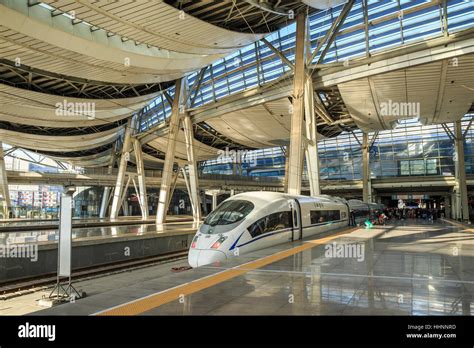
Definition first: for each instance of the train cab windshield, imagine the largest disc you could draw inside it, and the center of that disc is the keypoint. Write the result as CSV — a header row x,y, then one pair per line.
x,y
229,212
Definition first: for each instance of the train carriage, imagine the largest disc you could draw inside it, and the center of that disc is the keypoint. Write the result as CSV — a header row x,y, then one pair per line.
x,y
256,220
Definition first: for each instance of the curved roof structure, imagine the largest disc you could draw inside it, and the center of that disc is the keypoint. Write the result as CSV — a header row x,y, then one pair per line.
x,y
59,143
108,60
202,151
46,42
118,57
99,159
26,77
39,109
250,16
265,125
155,23
430,93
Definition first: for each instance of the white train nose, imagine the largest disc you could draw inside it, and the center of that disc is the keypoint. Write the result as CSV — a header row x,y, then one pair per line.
x,y
193,257
197,257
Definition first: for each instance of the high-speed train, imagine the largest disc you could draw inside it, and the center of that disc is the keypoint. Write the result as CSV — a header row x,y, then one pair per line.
x,y
256,220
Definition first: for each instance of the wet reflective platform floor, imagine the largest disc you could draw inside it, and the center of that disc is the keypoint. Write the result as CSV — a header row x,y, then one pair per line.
x,y
404,268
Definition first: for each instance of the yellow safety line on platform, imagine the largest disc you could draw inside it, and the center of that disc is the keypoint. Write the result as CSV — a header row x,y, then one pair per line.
x,y
455,223
155,300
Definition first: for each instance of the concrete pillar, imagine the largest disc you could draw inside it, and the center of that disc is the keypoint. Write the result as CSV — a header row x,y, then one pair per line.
x,y
143,200
453,204
186,181
311,149
122,202
124,158
462,206
285,180
366,181
104,204
172,188
193,190
296,154
4,185
167,176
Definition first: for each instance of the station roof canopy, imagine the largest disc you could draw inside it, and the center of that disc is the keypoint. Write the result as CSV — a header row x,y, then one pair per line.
x,y
121,58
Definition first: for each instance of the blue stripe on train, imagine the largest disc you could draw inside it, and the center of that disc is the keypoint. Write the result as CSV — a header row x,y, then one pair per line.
x,y
277,232
236,241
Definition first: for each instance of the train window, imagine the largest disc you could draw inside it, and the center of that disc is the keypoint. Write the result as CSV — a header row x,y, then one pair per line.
x,y
229,212
257,228
319,216
269,223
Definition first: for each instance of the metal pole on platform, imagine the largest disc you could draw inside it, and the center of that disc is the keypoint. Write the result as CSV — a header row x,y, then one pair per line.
x,y
68,293
366,188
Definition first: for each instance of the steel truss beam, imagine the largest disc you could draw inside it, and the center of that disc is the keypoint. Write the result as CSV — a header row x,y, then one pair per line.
x,y
330,35
34,79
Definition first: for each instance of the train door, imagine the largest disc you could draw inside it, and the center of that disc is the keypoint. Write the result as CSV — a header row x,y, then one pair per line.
x,y
297,228
350,216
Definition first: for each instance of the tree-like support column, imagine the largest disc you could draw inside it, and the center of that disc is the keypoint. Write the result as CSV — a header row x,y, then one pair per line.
x,y
137,147
116,200
107,189
462,203
296,154
193,189
104,202
285,180
453,204
311,149
167,177
366,182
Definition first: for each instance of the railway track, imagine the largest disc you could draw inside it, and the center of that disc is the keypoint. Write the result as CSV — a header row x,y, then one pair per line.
x,y
29,285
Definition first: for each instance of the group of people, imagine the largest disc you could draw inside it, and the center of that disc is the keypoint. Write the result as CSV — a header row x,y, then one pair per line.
x,y
407,213
381,216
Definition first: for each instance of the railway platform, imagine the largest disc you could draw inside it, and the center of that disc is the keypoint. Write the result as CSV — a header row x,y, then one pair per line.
x,y
404,268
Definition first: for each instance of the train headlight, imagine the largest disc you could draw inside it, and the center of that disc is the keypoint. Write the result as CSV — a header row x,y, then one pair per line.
x,y
218,242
